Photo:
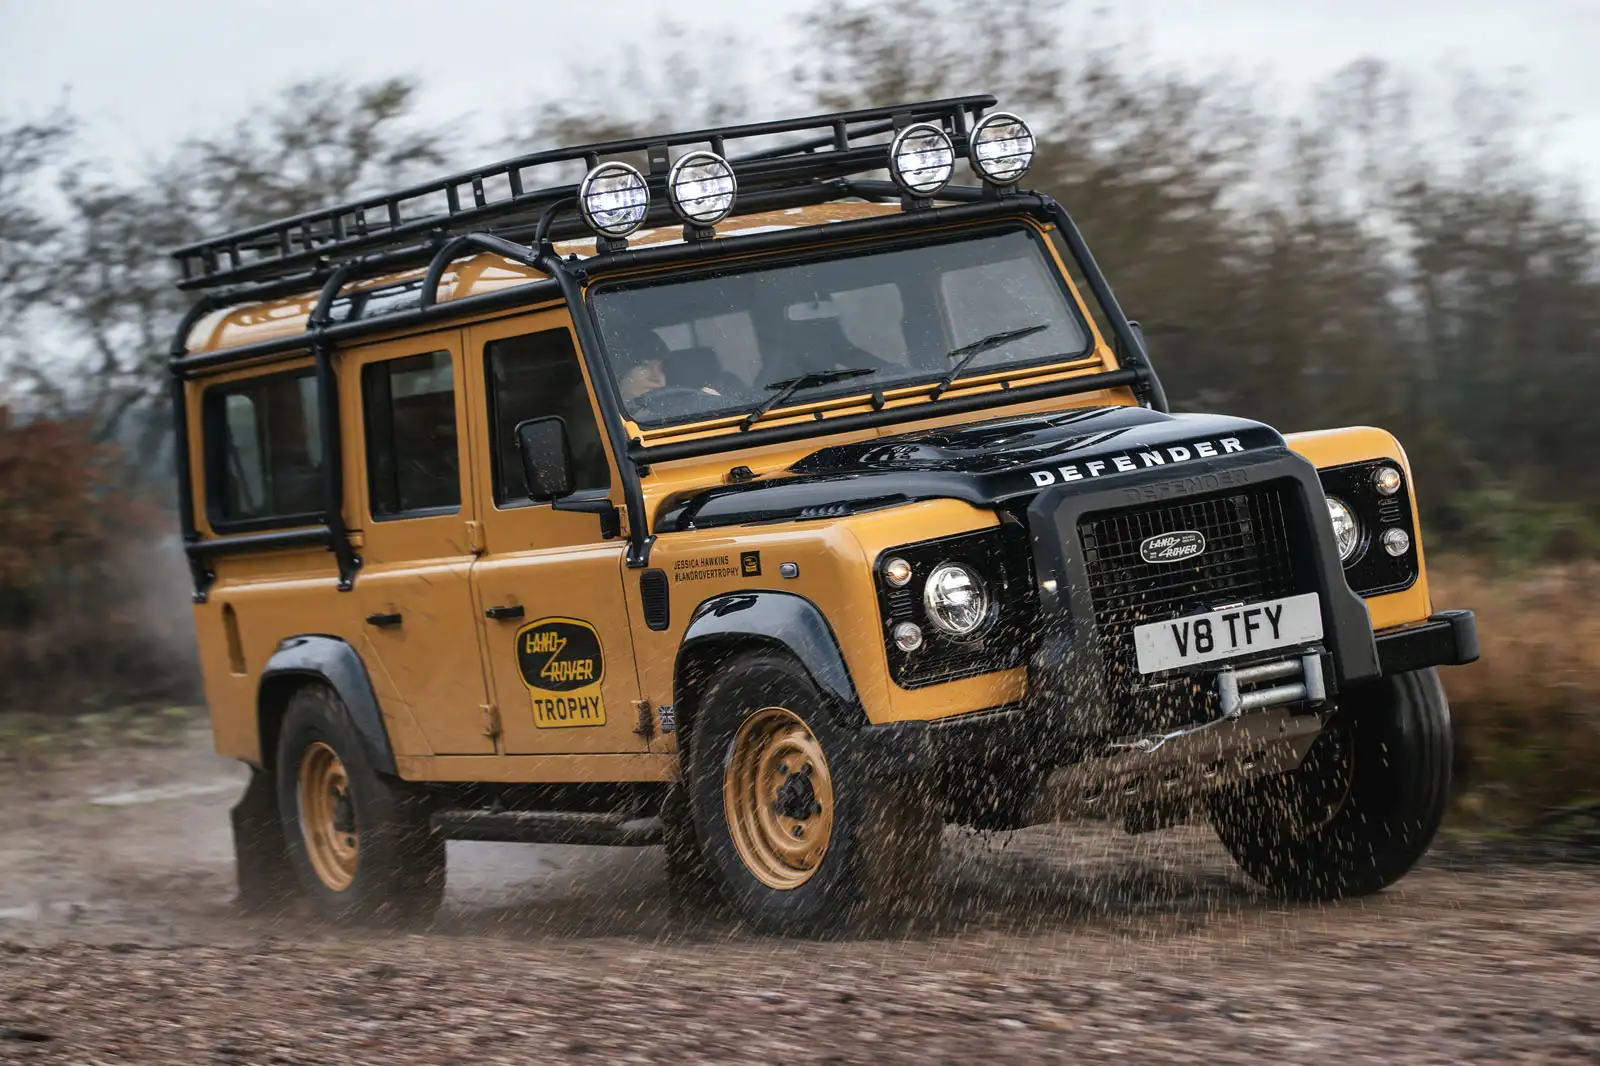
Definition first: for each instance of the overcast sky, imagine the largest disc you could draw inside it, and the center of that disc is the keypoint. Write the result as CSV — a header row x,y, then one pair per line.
x,y
146,72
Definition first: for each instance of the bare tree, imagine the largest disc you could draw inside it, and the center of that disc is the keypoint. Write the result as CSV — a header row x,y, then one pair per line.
x,y
116,302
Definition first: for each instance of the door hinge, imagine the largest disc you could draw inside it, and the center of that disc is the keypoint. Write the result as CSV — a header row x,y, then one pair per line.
x,y
647,721
475,543
491,720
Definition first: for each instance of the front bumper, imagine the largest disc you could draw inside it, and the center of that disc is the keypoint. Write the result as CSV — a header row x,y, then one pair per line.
x,y
1449,638
1025,742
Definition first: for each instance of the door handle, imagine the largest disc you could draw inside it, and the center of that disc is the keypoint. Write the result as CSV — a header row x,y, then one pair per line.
x,y
382,620
504,611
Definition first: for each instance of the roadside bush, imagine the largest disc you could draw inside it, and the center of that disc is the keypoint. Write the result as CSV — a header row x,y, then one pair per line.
x,y
86,619
1527,714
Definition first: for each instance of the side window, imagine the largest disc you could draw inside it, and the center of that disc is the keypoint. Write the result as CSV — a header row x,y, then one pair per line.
x,y
265,451
413,466
534,376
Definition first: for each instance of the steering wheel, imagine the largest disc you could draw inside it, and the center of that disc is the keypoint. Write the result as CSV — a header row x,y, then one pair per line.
x,y
671,400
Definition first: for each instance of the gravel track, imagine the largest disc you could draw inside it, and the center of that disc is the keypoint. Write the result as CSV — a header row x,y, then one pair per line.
x,y
118,944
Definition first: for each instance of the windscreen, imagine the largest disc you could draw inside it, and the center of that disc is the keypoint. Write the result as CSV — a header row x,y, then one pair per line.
x,y
729,342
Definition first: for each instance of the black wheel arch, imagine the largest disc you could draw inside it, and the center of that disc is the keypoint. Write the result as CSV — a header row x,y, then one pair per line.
x,y
321,659
728,624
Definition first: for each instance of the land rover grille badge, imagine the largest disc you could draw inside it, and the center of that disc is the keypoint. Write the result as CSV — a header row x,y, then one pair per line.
x,y
1174,547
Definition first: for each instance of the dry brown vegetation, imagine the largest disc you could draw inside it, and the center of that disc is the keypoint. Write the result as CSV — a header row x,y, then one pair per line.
x,y
1528,712
86,619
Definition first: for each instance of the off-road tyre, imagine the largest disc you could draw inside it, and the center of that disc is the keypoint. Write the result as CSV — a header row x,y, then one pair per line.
x,y
398,868
1362,808
691,882
882,841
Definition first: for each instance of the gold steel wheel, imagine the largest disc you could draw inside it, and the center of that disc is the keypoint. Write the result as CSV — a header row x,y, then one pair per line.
x,y
328,817
777,795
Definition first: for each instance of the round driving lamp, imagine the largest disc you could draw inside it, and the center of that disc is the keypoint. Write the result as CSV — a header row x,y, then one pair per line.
x,y
955,599
921,159
1396,542
897,572
1001,148
908,636
1386,479
701,188
1346,530
614,199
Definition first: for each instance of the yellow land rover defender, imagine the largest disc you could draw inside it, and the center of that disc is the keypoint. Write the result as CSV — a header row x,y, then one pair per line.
x,y
738,500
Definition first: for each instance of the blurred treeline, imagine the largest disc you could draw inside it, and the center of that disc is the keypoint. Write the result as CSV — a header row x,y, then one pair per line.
x,y
1378,256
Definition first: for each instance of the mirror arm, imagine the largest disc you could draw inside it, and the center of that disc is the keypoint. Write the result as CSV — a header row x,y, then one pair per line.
x,y
583,506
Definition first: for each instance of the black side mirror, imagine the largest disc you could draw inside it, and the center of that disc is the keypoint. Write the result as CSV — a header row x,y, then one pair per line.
x,y
546,457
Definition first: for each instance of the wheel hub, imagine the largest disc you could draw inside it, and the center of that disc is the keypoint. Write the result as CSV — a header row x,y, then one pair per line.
x,y
778,798
328,817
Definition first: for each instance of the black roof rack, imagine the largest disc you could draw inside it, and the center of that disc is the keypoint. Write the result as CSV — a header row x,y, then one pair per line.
x,y
502,196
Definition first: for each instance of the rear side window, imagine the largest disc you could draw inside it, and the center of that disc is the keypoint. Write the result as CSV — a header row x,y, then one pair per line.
x,y
265,452
413,465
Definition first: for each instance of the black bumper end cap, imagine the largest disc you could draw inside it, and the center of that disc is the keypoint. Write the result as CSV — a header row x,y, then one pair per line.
x,y
1449,638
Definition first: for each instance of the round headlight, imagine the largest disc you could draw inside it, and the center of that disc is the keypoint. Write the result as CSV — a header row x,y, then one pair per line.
x,y
1001,148
701,187
956,599
921,159
614,199
1386,479
1346,530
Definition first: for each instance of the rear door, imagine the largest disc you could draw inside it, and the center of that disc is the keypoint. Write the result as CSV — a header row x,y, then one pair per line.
x,y
556,630
418,538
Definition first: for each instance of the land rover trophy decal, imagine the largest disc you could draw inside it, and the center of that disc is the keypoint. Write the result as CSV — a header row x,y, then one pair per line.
x,y
562,665
1173,547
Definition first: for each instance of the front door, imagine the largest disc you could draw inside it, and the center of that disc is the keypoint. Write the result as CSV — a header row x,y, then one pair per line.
x,y
548,586
417,540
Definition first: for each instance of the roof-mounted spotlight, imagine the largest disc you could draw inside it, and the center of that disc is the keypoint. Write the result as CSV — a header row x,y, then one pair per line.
x,y
701,188
1001,148
921,160
614,199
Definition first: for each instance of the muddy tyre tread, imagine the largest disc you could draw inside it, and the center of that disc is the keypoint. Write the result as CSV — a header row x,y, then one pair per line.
x,y
400,874
884,845
1398,795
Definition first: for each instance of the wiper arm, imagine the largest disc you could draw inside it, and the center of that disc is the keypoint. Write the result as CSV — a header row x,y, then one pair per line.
x,y
968,352
789,386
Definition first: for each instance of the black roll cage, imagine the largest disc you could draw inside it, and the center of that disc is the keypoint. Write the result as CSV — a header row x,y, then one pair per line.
x,y
292,255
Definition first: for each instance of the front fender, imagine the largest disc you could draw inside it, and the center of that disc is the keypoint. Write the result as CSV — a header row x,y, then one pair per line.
x,y
781,620
336,664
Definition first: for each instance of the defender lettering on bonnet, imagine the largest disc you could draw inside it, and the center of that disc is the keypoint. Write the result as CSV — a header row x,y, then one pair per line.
x,y
1141,459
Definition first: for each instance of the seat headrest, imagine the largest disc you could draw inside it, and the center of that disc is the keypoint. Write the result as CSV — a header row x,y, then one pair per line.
x,y
692,367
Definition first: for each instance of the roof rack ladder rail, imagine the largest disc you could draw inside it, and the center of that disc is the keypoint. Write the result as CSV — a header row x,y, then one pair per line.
x,y
1132,352
322,350
639,536
317,231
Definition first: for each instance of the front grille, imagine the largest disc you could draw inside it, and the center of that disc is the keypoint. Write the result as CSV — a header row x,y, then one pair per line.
x,y
1247,557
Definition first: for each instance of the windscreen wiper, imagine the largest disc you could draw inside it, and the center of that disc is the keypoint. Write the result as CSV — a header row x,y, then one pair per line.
x,y
968,352
789,386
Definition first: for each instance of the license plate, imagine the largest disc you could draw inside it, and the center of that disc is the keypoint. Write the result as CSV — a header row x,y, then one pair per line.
x,y
1251,627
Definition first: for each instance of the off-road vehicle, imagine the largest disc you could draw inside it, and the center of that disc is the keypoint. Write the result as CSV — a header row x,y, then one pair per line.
x,y
710,490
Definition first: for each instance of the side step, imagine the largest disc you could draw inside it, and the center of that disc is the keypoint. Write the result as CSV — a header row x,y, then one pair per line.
x,y
550,827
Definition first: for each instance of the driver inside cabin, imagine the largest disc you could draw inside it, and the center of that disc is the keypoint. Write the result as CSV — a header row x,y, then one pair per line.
x,y
648,371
